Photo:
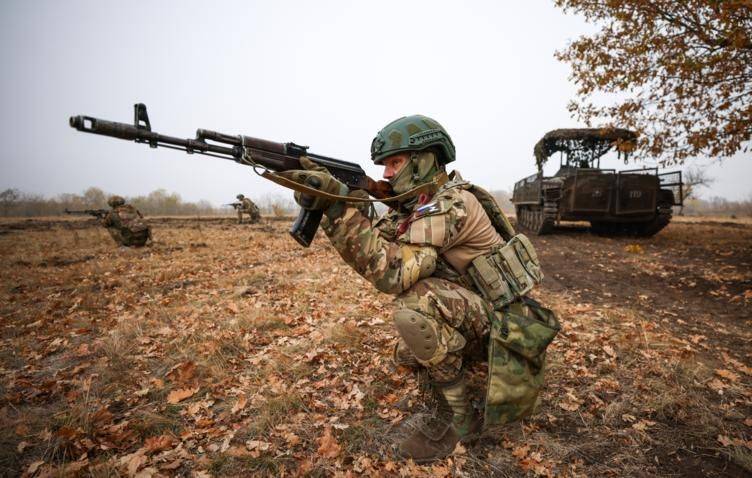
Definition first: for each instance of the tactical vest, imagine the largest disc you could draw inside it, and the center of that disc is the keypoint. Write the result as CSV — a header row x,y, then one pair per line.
x,y
521,328
505,273
490,206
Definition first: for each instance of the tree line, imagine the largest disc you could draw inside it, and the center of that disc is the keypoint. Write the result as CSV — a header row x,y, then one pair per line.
x,y
161,203
718,206
157,203
14,202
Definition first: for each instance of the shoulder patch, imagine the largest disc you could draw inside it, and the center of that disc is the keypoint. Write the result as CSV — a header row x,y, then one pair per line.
x,y
441,203
427,209
434,223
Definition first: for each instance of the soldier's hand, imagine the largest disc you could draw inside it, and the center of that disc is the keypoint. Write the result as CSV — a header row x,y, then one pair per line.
x,y
317,177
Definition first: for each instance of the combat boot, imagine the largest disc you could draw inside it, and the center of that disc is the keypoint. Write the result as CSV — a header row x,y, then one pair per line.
x,y
436,439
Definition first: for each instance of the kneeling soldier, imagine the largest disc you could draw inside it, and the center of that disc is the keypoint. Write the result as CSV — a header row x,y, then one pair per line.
x,y
247,206
125,224
460,276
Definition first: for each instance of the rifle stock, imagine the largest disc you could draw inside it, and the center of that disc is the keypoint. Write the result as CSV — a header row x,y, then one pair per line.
x,y
277,157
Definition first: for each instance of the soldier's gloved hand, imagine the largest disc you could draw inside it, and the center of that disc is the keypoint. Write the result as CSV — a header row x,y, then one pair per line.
x,y
318,177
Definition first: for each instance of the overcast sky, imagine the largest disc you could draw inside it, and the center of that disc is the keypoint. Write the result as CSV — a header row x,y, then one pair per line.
x,y
328,74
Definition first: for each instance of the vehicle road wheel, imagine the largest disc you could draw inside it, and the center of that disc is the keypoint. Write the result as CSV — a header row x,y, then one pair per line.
x,y
661,220
534,220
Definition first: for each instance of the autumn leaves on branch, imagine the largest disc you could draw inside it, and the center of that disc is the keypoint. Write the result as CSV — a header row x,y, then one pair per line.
x,y
679,72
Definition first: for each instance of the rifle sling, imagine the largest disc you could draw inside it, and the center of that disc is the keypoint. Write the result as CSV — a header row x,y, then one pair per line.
x,y
427,188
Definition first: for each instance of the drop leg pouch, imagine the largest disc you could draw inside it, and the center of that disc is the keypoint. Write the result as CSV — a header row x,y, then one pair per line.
x,y
520,334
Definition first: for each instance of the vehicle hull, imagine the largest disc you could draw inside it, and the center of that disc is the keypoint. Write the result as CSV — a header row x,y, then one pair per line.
x,y
627,202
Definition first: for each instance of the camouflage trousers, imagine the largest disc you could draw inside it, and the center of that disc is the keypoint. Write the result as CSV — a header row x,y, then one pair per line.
x,y
129,238
442,324
253,216
456,320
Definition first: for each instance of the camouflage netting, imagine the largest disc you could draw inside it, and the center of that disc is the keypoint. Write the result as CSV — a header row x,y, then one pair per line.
x,y
583,144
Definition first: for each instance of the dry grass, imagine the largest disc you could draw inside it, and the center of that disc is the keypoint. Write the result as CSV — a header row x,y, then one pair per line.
x,y
274,345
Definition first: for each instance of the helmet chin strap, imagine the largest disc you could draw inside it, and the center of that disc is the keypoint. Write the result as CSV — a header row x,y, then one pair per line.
x,y
416,167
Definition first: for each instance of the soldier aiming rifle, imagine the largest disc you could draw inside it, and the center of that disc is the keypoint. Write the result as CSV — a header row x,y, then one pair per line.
x,y
460,275
459,272
124,222
246,206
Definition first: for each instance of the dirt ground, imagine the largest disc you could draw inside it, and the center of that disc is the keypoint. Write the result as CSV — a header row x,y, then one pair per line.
x,y
227,350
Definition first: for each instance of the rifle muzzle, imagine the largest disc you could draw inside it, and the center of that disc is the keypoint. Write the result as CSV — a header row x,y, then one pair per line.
x,y
87,124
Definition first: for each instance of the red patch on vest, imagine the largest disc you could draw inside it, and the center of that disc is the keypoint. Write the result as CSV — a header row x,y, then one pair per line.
x,y
402,228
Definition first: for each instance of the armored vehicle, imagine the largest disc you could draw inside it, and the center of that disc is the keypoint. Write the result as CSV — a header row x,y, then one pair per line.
x,y
635,201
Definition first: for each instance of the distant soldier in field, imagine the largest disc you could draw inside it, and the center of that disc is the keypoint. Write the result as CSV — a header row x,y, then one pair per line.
x,y
125,224
460,275
246,206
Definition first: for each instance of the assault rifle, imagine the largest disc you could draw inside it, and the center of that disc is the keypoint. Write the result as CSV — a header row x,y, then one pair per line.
x,y
246,150
234,204
98,213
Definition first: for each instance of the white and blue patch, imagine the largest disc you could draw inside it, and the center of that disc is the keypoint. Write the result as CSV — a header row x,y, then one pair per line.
x,y
425,209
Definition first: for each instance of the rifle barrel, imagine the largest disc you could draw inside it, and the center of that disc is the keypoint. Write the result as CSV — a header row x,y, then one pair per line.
x,y
114,129
269,154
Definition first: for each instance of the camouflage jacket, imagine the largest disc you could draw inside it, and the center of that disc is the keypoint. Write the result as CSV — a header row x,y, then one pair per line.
x,y
400,248
246,205
125,217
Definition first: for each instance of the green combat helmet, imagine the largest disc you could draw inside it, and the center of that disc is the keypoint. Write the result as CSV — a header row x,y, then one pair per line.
x,y
412,133
428,143
115,201
239,197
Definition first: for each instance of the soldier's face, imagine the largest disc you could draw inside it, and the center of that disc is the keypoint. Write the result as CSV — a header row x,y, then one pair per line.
x,y
393,164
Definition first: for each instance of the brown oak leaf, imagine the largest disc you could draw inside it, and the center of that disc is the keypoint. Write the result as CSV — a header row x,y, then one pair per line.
x,y
181,394
328,446
240,404
158,443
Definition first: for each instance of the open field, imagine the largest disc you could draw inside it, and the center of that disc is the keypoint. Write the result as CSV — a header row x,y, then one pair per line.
x,y
226,350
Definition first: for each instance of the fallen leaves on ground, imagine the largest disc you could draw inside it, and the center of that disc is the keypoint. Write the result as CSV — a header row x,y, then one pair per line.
x,y
272,360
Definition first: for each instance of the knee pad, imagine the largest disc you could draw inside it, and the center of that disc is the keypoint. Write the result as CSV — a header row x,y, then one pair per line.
x,y
428,339
403,356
